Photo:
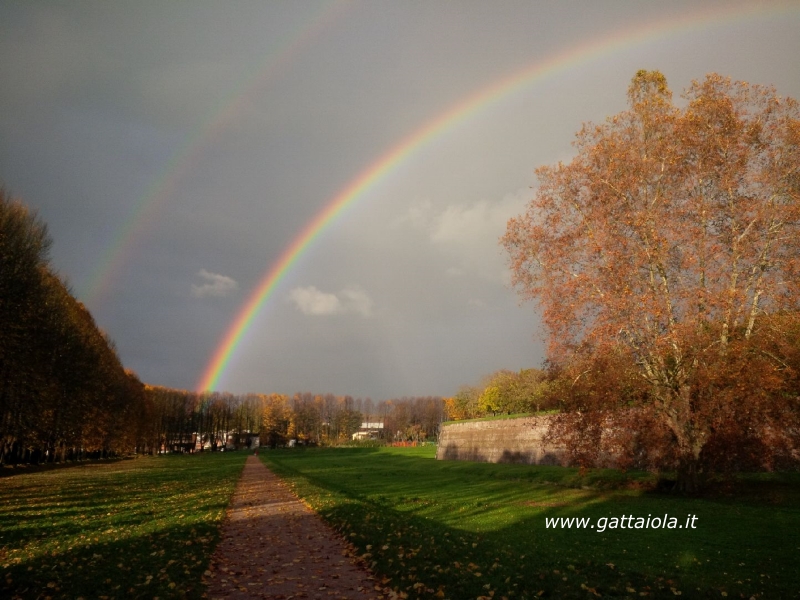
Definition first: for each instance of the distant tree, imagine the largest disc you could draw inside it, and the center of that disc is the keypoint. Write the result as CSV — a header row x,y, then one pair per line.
x,y
306,425
670,238
496,395
531,391
509,392
346,422
275,421
429,413
464,405
415,417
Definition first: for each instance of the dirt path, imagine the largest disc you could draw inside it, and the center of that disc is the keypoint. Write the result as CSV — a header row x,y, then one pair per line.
x,y
273,546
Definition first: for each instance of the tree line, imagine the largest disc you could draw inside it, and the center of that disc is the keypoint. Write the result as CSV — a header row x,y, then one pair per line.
x,y
187,421
64,393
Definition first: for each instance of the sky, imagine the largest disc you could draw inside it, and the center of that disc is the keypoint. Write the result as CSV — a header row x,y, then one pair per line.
x,y
312,193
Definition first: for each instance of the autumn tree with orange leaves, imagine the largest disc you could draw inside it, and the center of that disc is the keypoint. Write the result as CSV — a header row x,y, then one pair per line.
x,y
670,246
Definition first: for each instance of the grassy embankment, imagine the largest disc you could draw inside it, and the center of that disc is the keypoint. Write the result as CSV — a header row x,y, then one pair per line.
x,y
498,417
130,529
503,417
464,530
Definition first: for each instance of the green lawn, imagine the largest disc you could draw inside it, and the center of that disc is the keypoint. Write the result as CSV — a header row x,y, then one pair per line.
x,y
145,528
465,530
140,528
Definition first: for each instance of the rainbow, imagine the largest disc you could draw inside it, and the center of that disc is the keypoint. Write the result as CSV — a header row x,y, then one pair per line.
x,y
145,209
357,188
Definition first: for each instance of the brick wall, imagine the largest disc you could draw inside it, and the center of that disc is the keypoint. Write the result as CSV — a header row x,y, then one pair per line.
x,y
506,440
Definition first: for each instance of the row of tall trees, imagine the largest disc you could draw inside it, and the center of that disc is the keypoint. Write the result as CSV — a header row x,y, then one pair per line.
x,y
184,420
181,420
63,390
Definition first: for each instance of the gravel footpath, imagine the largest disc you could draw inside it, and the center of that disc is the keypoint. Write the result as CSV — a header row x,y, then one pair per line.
x,y
274,546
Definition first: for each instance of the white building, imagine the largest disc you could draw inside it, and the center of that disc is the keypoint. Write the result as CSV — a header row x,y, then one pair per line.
x,y
368,431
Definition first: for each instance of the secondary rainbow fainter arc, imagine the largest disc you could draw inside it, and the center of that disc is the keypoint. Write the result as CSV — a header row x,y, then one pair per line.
x,y
144,211
576,56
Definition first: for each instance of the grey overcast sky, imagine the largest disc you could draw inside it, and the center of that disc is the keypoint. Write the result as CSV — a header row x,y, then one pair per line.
x,y
177,149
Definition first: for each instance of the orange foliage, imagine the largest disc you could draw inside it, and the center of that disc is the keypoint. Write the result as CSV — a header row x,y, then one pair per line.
x,y
669,240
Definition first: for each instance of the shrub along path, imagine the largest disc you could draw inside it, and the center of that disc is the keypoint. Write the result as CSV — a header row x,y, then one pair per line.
x,y
274,546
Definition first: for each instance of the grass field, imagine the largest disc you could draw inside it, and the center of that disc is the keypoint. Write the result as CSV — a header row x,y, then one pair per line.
x,y
140,528
146,528
465,530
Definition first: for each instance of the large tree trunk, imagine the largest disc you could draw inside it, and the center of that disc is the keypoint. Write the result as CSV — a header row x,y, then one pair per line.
x,y
690,441
690,476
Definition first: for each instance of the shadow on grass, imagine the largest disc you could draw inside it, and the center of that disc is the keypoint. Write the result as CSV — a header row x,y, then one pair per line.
x,y
27,469
471,528
141,528
168,563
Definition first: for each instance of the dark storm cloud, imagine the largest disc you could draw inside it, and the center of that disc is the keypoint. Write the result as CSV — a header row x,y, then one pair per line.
x,y
241,138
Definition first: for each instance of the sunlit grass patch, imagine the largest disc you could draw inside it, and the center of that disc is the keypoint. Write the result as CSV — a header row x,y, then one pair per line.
x,y
466,530
132,529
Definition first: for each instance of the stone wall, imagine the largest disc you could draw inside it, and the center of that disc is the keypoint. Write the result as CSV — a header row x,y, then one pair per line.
x,y
505,440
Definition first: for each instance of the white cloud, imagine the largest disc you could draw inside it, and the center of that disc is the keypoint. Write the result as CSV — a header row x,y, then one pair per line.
x,y
215,285
312,301
356,300
469,233
462,224
467,223
418,216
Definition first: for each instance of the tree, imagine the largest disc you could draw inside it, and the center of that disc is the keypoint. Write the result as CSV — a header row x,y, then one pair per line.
x,y
464,405
306,423
510,392
275,420
495,396
669,238
24,248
